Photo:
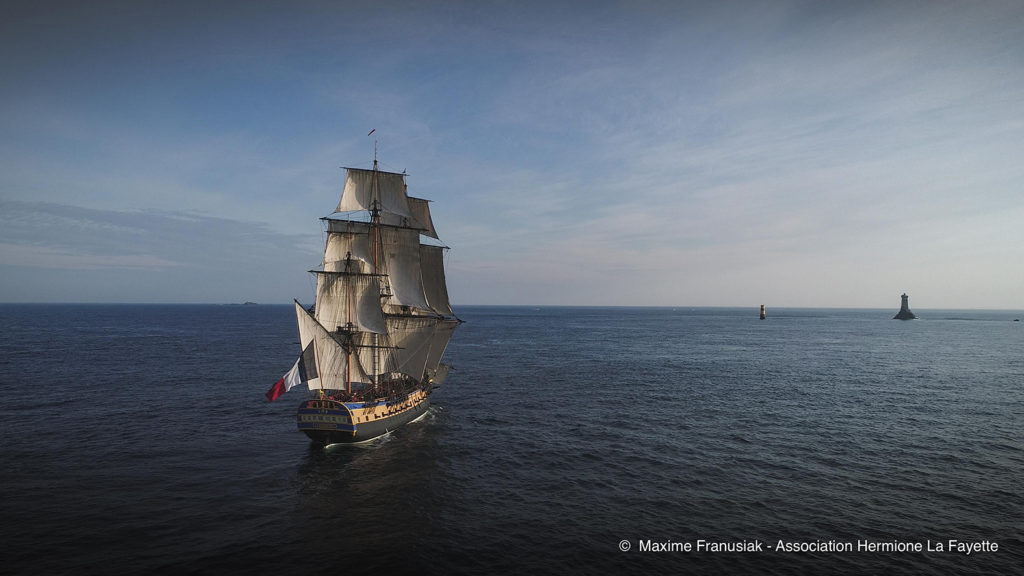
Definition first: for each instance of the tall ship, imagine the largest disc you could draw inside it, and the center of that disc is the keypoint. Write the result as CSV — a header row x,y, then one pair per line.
x,y
373,341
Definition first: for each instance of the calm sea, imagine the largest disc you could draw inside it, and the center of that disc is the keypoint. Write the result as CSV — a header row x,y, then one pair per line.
x,y
136,440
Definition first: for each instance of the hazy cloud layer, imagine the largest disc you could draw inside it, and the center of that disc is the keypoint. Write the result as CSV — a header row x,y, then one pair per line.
x,y
85,255
672,153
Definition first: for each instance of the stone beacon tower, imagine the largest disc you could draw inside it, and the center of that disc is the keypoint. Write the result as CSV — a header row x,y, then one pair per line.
x,y
904,313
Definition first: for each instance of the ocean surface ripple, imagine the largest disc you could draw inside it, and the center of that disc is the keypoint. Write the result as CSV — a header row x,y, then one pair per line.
x,y
136,439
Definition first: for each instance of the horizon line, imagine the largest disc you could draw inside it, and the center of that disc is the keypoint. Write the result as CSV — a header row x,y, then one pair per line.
x,y
660,306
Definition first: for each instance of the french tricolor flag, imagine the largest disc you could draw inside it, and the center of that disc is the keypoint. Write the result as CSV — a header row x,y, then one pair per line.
x,y
303,371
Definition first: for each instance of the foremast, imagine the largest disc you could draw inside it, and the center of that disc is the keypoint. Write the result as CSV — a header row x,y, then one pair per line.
x,y
382,317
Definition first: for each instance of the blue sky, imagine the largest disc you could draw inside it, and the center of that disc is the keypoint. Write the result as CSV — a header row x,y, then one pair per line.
x,y
601,153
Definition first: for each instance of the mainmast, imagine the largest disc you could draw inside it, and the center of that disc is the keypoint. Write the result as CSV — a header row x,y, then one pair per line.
x,y
375,221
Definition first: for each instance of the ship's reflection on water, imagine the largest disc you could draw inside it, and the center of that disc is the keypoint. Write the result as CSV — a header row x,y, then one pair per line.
x,y
373,505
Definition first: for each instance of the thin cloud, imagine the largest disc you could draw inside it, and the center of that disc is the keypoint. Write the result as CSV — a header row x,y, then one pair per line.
x,y
173,252
655,153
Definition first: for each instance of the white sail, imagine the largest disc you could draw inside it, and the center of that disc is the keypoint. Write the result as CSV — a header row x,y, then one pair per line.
x,y
355,243
434,286
374,267
420,209
363,187
375,353
346,226
331,358
439,342
343,298
420,218
401,249
411,335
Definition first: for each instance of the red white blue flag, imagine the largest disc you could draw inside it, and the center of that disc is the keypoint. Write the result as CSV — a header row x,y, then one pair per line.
x,y
304,370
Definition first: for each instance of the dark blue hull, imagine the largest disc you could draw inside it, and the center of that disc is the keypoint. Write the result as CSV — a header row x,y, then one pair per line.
x,y
334,422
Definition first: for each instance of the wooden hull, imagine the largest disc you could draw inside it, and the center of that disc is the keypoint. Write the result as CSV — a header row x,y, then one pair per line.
x,y
334,422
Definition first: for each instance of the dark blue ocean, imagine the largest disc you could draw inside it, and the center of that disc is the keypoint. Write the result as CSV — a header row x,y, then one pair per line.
x,y
137,440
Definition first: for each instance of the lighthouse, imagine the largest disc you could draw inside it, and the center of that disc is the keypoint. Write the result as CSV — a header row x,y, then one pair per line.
x,y
904,313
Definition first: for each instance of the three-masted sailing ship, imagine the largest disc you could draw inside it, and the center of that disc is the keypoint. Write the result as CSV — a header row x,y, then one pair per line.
x,y
372,343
